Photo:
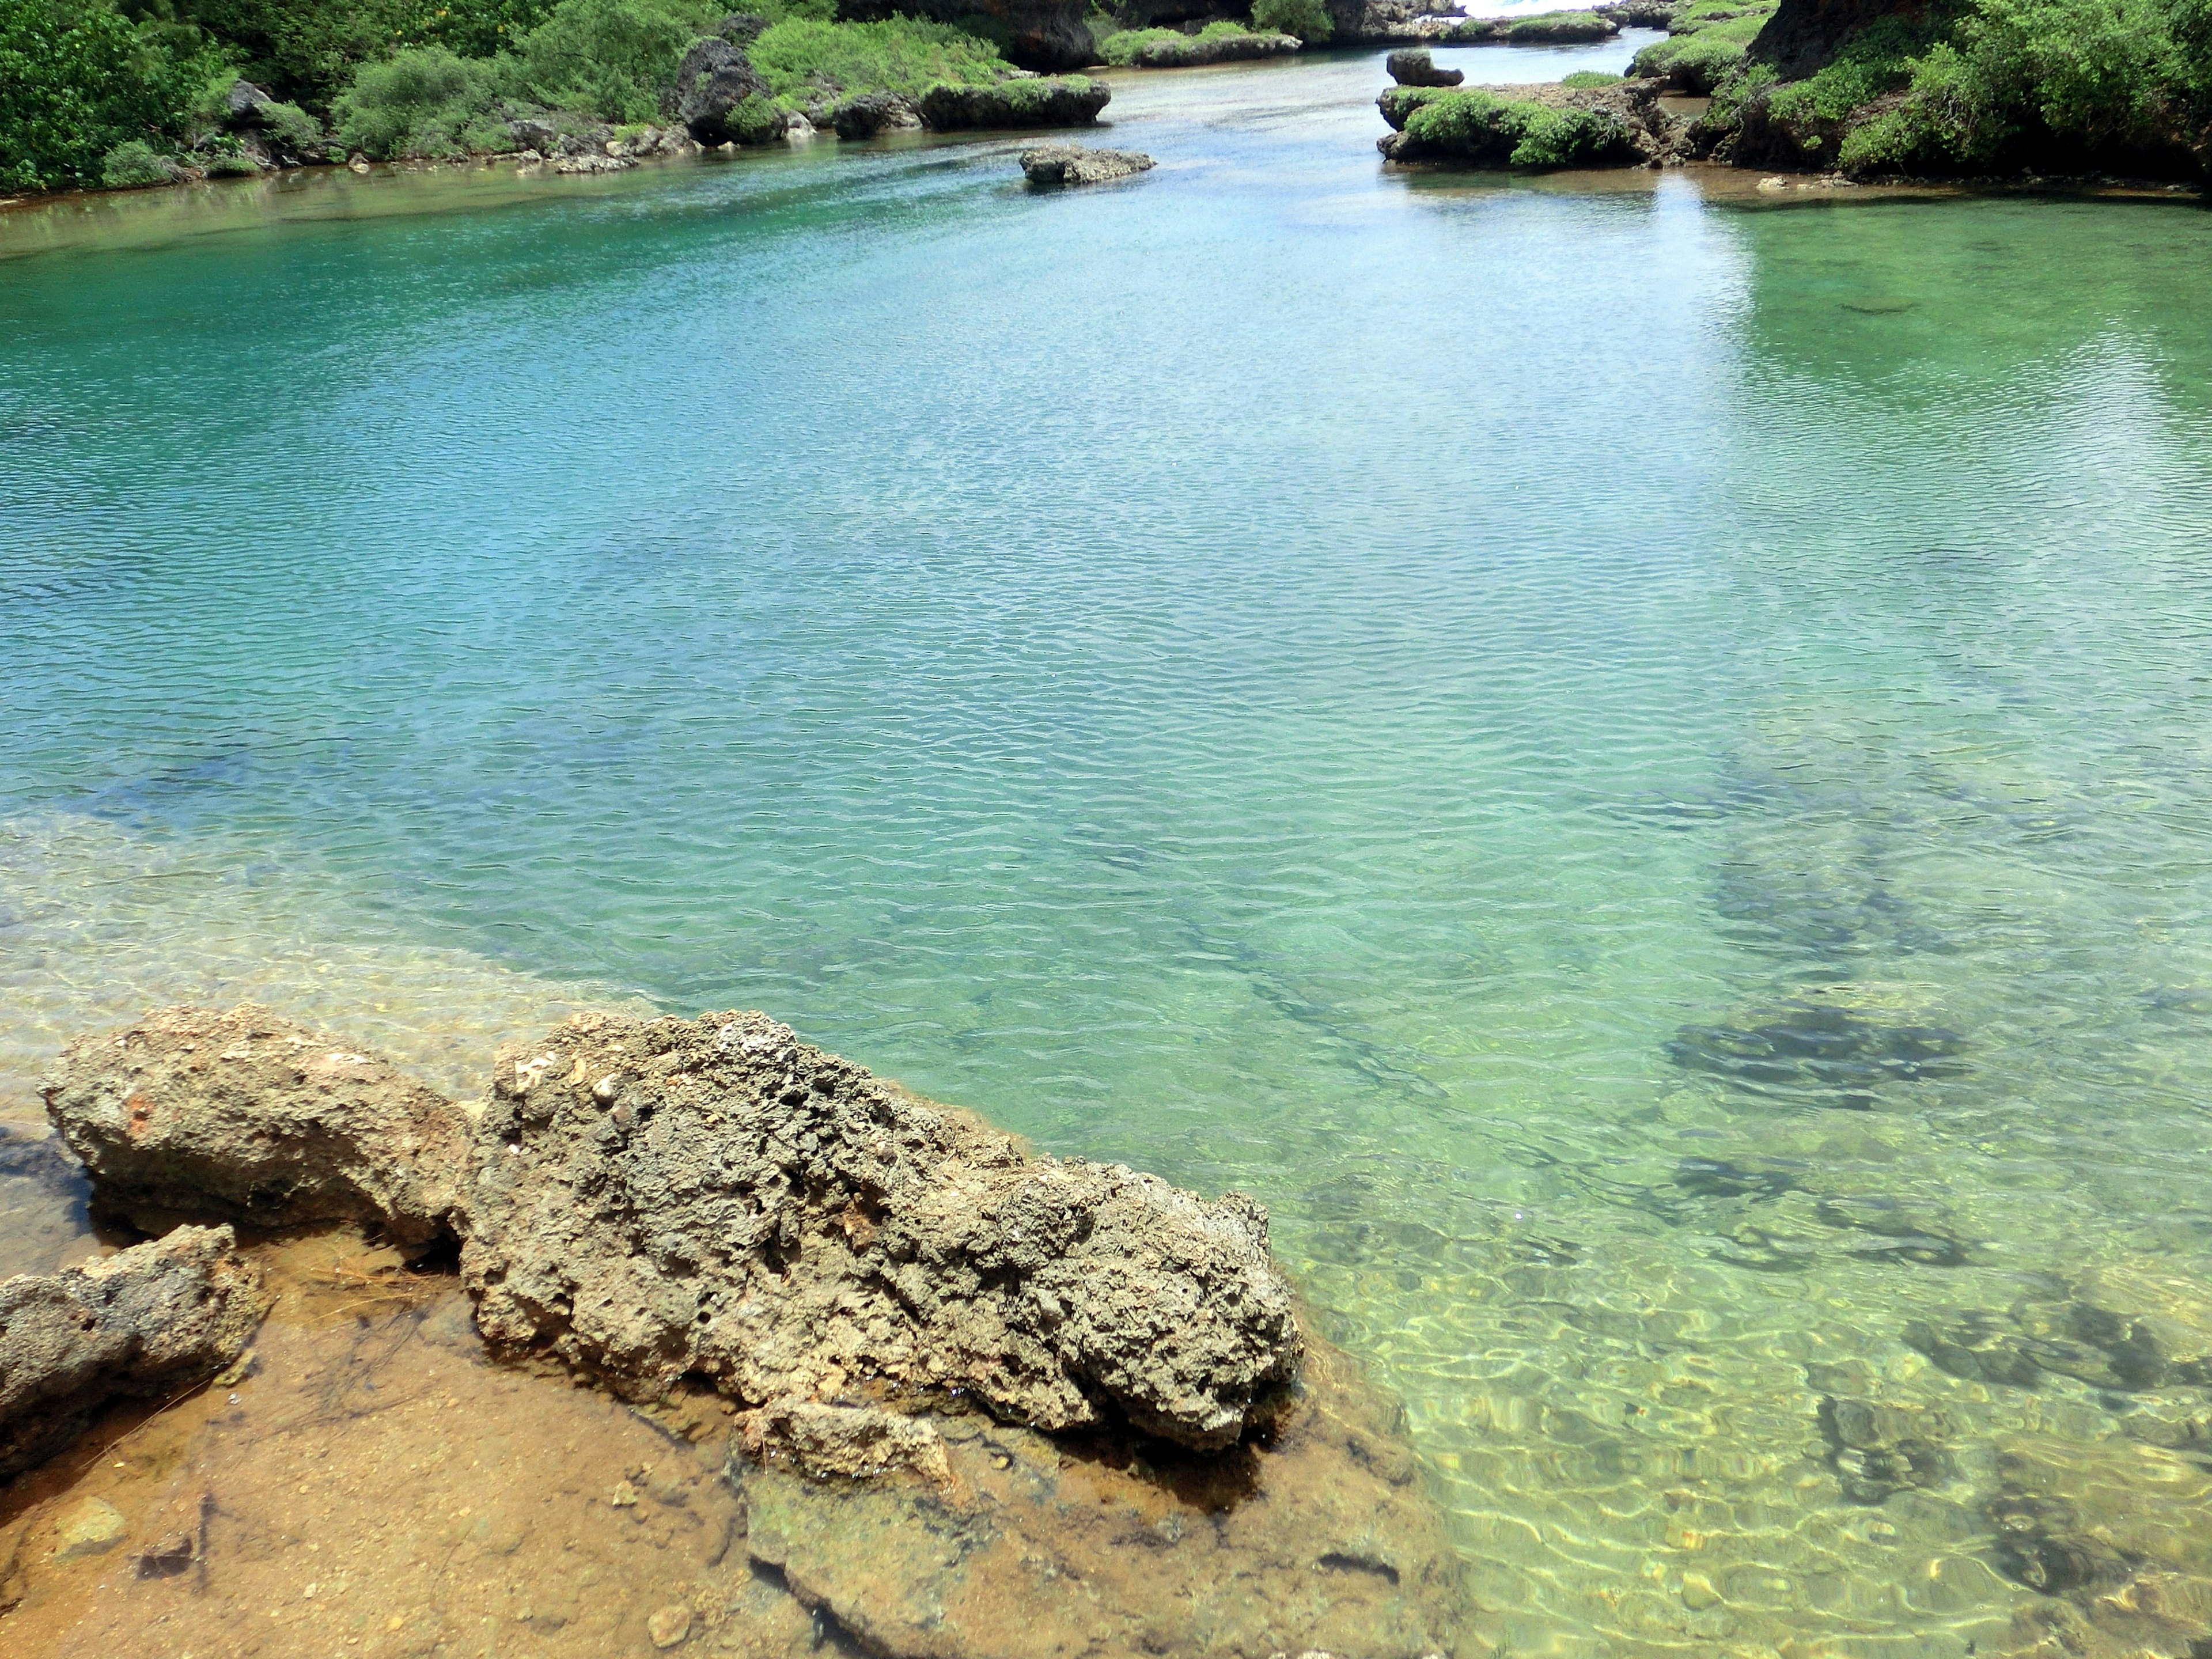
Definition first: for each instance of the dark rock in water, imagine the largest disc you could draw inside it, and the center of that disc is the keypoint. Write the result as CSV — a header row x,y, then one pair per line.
x,y
720,98
1911,1232
714,1197
1840,1054
1877,1449
873,113
244,1117
1314,1537
141,1324
1977,1348
1052,165
1072,100
43,1160
2095,1345
2040,1545
1414,67
1713,1177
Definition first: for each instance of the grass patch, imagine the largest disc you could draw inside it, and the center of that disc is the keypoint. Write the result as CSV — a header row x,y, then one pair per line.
x,y
803,57
1589,80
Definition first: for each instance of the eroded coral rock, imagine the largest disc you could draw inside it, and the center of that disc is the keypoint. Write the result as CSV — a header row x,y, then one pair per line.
x,y
1315,1537
145,1323
246,1117
672,1197
1051,166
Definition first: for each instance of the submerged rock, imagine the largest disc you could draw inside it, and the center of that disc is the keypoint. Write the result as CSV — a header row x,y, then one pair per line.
x,y
1315,1537
1414,67
659,1199
248,1118
143,1323
1050,166
1069,101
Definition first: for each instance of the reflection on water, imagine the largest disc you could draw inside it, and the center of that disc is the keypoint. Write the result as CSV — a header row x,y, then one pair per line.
x,y
1636,767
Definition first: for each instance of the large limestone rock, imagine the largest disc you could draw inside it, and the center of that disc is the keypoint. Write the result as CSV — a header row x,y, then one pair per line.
x,y
1637,130
144,1323
721,99
248,1118
1069,101
1414,67
671,1197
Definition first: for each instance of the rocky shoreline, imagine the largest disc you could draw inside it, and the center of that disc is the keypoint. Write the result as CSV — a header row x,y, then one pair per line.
x,y
914,1322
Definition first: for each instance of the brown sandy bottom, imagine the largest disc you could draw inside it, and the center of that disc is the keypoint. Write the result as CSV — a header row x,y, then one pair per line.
x,y
368,1481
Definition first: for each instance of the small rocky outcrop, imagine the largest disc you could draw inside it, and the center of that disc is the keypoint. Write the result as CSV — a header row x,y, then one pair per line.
x,y
141,1324
1049,166
1639,14
1414,67
721,99
1550,28
248,1118
873,113
1545,125
670,1198
1070,100
1178,51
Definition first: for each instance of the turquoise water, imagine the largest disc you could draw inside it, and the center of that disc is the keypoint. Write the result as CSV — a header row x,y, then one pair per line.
x,y
1631,757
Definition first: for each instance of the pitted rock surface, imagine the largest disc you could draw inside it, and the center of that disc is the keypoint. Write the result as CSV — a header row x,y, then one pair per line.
x,y
144,1323
248,1118
714,1197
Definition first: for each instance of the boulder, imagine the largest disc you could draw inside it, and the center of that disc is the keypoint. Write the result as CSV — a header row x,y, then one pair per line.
x,y
141,1324
1051,166
246,1117
986,1540
872,113
720,98
670,1198
1413,67
1070,100
243,104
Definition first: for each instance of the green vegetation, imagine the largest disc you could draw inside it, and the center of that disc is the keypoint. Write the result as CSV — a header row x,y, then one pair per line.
x,y
1308,20
1173,49
609,57
1480,126
424,102
1559,28
1994,86
78,80
799,57
133,165
1588,79
1705,45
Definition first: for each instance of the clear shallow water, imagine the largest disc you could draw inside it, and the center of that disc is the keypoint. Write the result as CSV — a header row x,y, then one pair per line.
x,y
1634,764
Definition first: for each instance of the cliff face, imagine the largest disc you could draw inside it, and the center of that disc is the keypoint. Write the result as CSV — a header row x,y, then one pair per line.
x,y
1802,35
1049,35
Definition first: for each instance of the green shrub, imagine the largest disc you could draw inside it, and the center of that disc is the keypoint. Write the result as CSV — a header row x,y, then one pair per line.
x,y
134,164
77,79
799,57
1308,20
612,57
230,164
420,101
1483,127
307,51
290,126
1697,63
1586,80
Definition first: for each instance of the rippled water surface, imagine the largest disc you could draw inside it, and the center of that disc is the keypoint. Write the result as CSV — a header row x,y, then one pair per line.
x,y
1634,758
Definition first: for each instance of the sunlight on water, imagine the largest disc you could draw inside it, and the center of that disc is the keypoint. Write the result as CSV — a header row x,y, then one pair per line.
x,y
1636,767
